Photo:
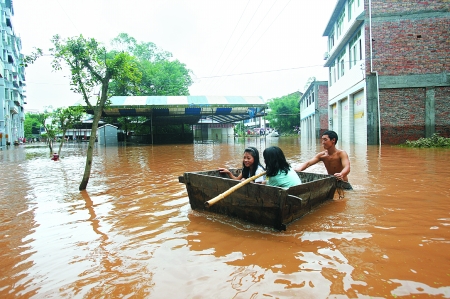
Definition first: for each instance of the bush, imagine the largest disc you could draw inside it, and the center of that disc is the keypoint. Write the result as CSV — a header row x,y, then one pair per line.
x,y
433,141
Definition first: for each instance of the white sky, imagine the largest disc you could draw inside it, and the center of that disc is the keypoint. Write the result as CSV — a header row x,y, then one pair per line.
x,y
265,48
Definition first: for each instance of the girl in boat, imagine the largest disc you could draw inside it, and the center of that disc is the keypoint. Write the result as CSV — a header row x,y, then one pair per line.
x,y
279,172
250,166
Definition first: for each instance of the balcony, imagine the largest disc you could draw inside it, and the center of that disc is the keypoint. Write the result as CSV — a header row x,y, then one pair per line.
x,y
13,108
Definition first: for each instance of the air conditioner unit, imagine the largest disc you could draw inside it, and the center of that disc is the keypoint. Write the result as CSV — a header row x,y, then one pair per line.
x,y
325,56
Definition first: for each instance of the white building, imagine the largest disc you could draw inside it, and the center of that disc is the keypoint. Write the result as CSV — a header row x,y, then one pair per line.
x,y
12,79
345,58
388,70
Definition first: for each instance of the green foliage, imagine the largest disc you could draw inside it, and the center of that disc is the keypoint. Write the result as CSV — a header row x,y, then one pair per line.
x,y
31,125
284,114
92,66
66,118
434,141
160,74
239,129
133,124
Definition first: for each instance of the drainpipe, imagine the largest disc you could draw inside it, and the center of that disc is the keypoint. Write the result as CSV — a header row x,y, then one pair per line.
x,y
376,73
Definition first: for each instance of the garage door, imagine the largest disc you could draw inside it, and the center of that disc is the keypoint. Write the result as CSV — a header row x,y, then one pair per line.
x,y
359,106
345,134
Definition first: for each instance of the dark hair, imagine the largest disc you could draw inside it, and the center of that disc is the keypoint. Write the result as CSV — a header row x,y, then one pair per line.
x,y
275,161
246,171
332,135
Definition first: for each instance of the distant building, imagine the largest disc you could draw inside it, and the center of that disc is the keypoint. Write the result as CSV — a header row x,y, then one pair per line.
x,y
389,71
314,110
12,79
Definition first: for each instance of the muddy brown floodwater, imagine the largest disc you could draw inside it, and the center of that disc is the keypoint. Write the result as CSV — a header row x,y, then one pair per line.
x,y
132,234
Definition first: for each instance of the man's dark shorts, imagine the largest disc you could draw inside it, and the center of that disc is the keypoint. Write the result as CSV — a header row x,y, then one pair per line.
x,y
344,185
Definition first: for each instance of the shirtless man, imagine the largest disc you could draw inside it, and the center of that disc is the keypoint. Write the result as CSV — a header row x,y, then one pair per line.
x,y
336,161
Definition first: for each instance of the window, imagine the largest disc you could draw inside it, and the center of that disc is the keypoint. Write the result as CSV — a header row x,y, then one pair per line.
x,y
331,41
340,24
330,76
351,3
355,47
341,65
360,50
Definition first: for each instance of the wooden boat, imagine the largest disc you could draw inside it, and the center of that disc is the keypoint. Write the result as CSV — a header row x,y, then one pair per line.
x,y
256,203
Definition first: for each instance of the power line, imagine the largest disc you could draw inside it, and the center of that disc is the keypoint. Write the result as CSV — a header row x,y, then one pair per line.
x,y
67,16
230,37
261,35
248,23
260,72
251,36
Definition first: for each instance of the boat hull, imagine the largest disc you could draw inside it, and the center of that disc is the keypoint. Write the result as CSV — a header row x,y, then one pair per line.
x,y
257,203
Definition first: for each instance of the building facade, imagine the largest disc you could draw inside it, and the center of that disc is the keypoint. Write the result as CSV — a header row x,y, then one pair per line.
x,y
314,110
389,70
12,79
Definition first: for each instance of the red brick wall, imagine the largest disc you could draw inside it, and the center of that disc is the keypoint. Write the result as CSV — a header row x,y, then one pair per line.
x,y
442,108
407,38
418,46
402,114
323,107
400,6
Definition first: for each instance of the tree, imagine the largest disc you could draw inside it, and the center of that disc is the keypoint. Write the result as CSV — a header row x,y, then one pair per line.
x,y
50,128
66,118
160,74
284,113
91,67
31,125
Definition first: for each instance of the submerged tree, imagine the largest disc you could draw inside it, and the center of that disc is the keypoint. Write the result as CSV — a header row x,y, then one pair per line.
x,y
50,128
66,118
91,67
130,69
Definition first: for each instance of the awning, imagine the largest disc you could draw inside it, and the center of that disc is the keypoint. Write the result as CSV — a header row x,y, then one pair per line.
x,y
186,109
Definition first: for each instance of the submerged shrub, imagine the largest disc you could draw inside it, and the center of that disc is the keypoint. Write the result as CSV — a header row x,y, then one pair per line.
x,y
433,141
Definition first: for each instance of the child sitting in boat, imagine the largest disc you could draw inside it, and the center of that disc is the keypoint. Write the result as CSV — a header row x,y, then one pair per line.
x,y
250,166
279,172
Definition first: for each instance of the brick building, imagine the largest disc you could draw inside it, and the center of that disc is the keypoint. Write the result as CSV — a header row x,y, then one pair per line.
x,y
314,110
389,70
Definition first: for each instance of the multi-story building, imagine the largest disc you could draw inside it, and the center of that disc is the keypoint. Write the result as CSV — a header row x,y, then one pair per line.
x,y
12,79
389,70
314,110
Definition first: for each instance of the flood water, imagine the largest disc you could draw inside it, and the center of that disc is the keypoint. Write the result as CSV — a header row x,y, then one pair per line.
x,y
132,233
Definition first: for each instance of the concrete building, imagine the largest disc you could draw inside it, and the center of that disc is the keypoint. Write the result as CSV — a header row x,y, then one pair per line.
x,y
12,79
389,70
314,110
107,135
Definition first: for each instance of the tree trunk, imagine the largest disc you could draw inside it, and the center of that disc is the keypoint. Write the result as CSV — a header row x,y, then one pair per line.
x,y
62,142
90,151
50,145
98,110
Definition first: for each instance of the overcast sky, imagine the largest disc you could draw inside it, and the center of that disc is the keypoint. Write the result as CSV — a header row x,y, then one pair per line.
x,y
265,48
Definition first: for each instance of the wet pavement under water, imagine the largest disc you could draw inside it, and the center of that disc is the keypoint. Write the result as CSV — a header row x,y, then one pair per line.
x,y
132,233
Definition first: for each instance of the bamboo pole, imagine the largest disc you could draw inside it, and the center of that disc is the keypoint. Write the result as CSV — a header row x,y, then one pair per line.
x,y
232,189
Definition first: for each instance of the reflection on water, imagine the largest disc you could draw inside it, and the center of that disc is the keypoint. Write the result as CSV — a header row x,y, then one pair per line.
x,y
132,233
